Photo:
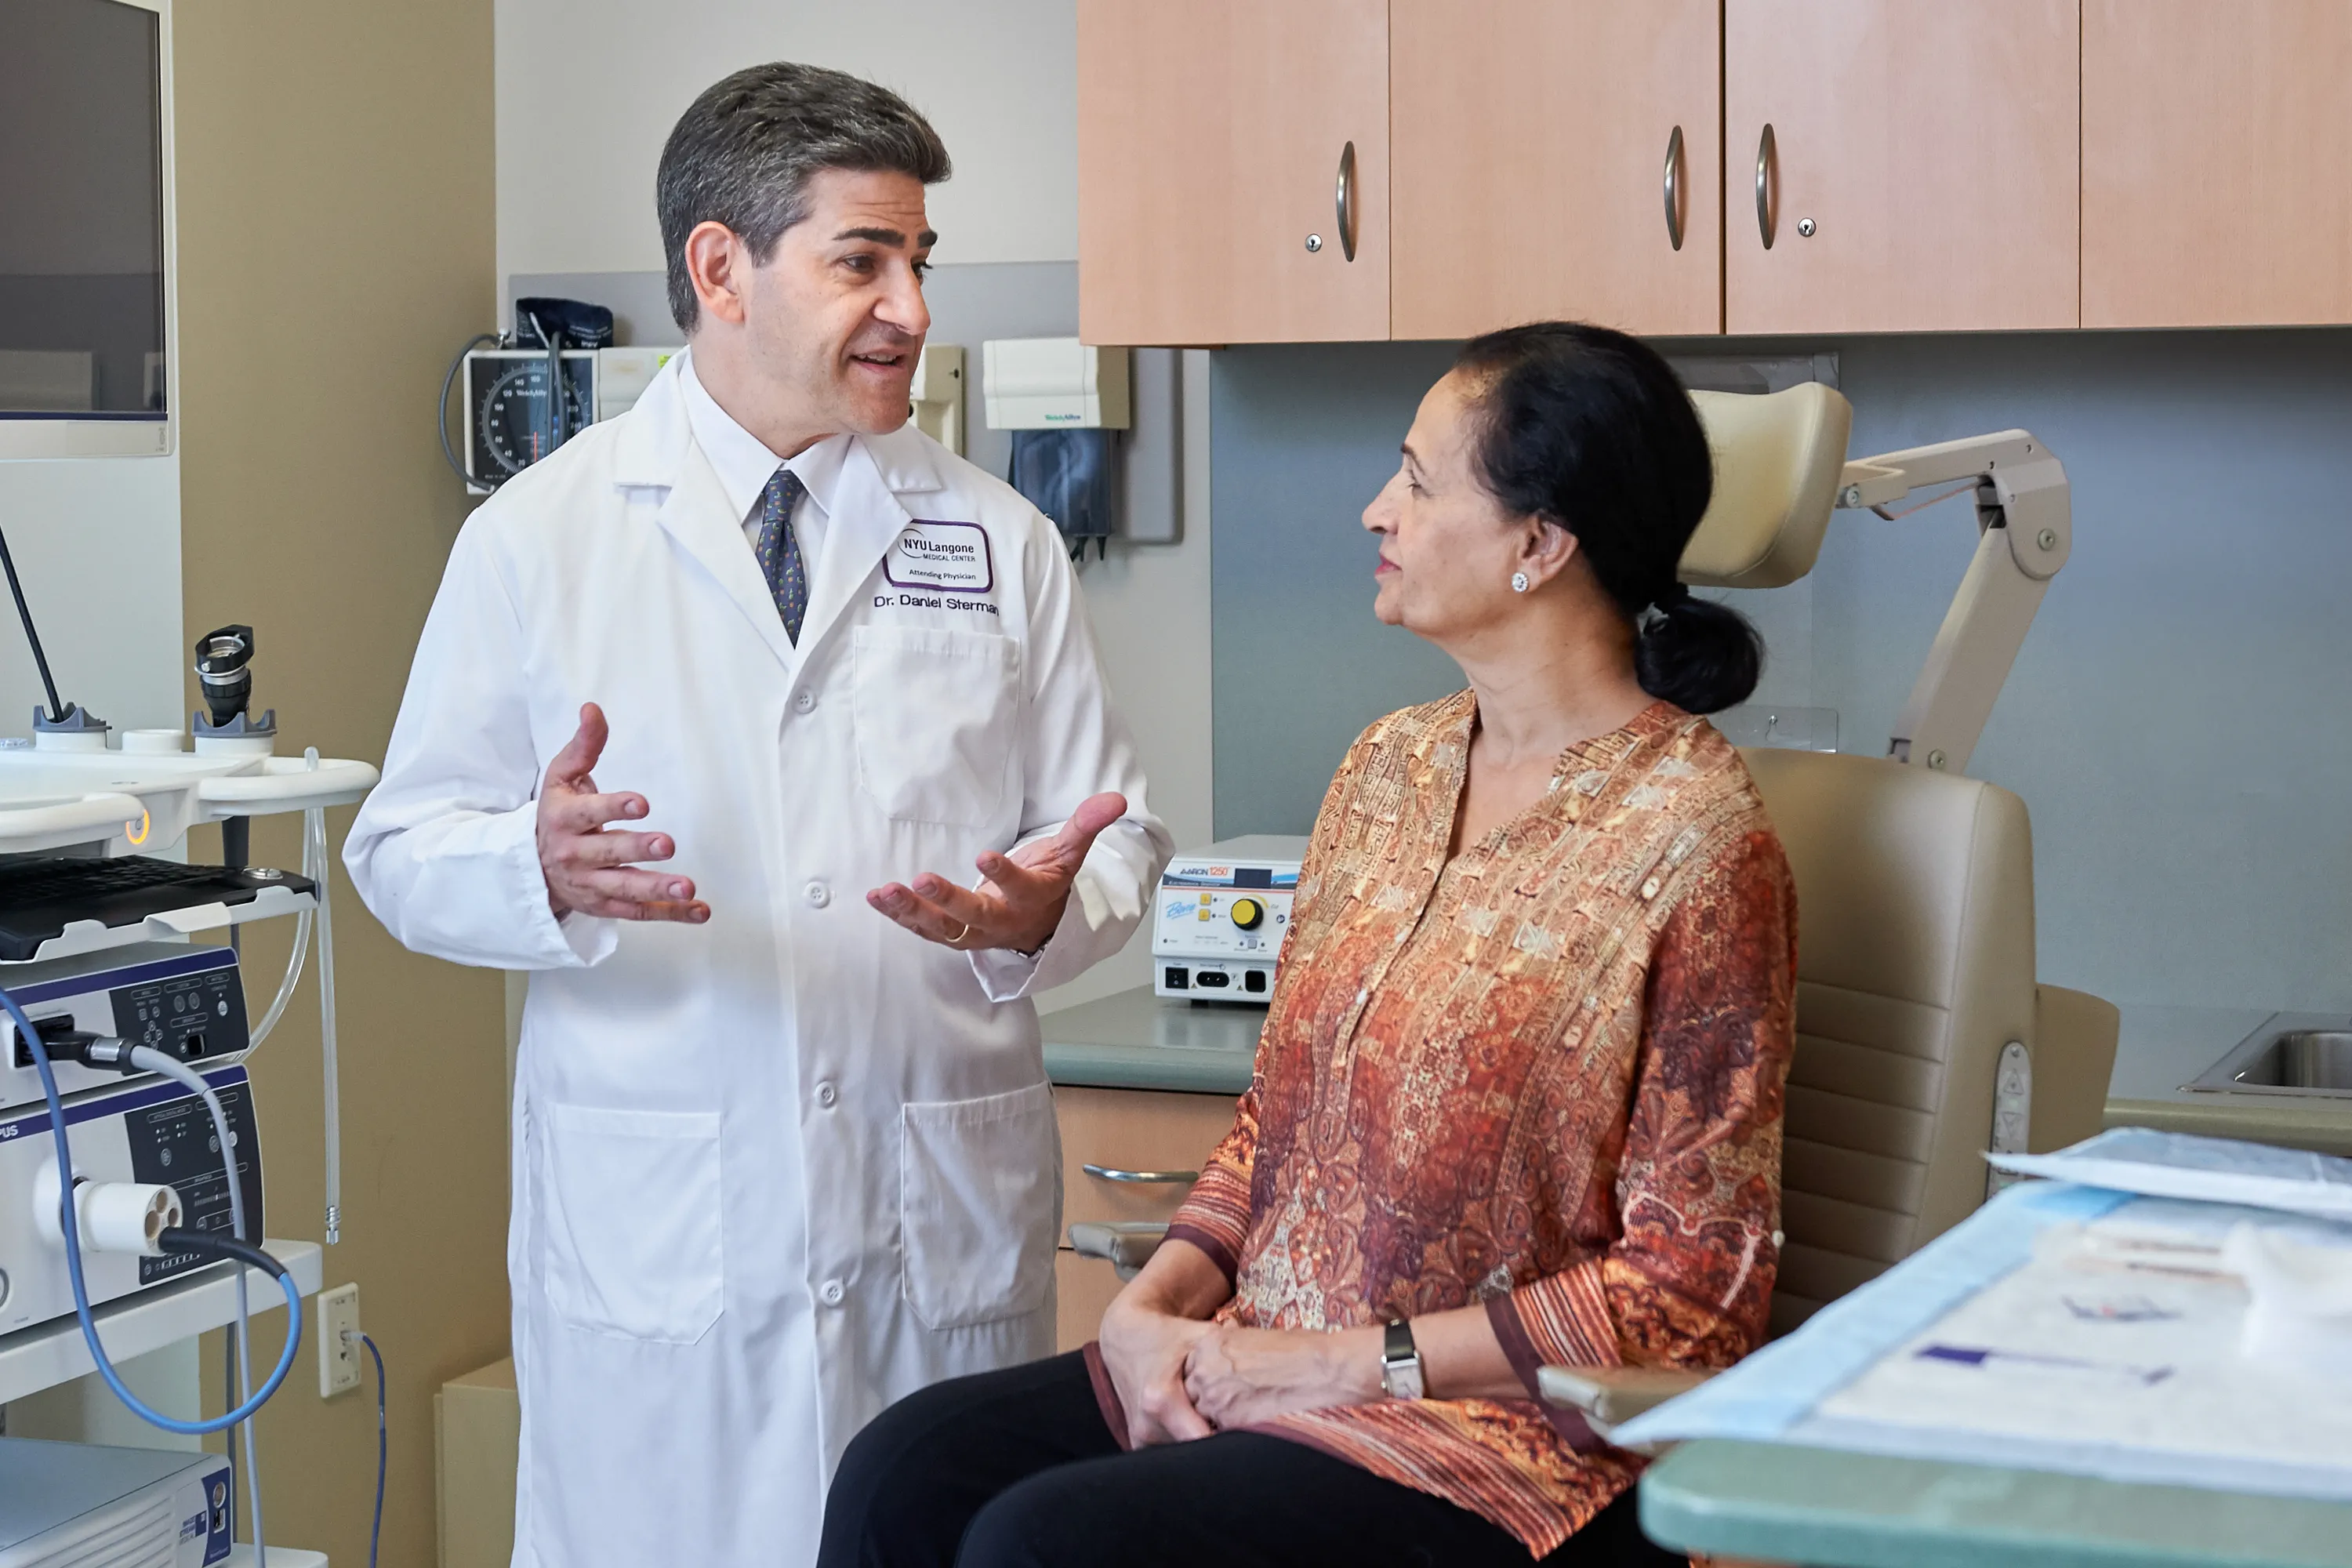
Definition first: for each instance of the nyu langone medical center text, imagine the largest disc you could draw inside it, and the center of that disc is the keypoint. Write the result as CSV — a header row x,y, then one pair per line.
x,y
940,557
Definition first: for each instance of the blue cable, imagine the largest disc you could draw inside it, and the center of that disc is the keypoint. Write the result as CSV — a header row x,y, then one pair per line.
x,y
38,1050
382,1451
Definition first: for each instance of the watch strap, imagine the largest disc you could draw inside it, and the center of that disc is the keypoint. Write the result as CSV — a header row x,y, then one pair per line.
x,y
1401,1369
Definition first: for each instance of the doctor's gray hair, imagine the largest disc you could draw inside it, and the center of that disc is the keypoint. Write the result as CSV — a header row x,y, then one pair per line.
x,y
743,154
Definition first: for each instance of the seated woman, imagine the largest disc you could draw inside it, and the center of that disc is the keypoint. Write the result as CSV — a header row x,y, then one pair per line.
x,y
1519,1096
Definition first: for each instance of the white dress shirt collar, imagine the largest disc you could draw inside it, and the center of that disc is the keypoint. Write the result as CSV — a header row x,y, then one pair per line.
x,y
745,465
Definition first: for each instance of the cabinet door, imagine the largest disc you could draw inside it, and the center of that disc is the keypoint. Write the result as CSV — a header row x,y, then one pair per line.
x,y
1531,178
1139,1132
1931,146
1210,140
2215,138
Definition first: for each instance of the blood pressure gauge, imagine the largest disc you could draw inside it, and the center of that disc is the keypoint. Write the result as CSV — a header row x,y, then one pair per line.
x,y
507,404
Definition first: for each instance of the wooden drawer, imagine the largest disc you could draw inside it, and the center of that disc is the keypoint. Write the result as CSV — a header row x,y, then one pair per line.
x,y
1133,1129
1083,1289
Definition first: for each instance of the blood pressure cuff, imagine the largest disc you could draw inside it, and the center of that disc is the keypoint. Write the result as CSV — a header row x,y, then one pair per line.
x,y
1071,476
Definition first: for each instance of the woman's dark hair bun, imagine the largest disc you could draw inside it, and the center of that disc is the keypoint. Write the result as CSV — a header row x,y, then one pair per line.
x,y
1591,427
1698,654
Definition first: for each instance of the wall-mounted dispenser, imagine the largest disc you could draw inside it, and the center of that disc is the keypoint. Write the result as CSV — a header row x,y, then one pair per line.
x,y
1062,399
1053,383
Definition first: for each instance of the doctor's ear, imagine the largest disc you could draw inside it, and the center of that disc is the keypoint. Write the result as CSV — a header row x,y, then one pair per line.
x,y
715,258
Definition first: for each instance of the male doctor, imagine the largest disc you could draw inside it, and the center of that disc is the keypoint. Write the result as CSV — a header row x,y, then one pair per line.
x,y
784,1149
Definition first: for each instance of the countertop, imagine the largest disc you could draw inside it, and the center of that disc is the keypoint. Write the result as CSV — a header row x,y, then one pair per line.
x,y
2163,1047
1135,1040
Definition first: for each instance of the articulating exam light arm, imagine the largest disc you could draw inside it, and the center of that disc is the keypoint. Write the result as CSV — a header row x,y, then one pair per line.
x,y
2024,534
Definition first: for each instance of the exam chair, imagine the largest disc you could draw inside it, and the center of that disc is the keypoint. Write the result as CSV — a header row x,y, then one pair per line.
x,y
1924,1039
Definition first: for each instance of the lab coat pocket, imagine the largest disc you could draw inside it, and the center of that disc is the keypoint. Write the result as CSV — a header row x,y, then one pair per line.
x,y
633,1221
980,1199
936,713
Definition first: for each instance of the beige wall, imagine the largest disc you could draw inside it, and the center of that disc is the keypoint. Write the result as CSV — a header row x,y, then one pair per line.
x,y
336,210
588,90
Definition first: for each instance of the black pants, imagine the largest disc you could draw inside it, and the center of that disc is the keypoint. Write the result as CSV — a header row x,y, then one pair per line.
x,y
1017,1467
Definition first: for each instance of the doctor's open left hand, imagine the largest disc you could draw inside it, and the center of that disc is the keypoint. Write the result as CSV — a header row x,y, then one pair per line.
x,y
1021,902
591,869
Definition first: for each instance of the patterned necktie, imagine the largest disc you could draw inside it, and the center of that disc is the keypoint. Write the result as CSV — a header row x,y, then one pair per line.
x,y
780,550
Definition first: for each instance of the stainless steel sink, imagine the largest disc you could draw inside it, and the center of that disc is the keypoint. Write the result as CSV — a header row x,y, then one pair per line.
x,y
2291,1053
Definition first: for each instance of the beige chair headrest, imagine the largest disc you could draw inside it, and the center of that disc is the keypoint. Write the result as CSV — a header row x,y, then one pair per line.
x,y
1778,459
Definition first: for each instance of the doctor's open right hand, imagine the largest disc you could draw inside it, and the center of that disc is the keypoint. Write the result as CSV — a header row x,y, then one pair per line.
x,y
589,867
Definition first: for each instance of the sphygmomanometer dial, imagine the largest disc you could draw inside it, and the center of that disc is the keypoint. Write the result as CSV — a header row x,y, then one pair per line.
x,y
512,424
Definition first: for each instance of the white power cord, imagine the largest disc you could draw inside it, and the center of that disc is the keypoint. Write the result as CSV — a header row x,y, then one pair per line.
x,y
314,852
319,867
293,970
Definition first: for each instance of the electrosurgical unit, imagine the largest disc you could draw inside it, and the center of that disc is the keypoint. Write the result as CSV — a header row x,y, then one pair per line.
x,y
1221,913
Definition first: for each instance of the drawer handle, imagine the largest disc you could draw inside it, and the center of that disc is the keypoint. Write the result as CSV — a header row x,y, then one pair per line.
x,y
1675,188
1768,175
1345,201
1141,1178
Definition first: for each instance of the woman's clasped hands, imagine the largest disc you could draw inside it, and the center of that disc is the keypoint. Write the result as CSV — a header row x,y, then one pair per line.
x,y
1179,1378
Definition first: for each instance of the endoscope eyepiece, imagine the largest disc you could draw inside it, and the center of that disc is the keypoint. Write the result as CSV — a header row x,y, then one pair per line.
x,y
223,660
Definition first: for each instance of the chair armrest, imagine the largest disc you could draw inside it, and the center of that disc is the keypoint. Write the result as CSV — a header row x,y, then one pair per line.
x,y
1128,1245
1610,1397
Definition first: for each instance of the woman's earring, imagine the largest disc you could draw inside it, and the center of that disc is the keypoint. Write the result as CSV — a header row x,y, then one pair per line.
x,y
1518,582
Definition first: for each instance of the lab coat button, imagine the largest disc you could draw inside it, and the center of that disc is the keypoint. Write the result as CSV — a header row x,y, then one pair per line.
x,y
805,701
832,1291
827,1096
819,894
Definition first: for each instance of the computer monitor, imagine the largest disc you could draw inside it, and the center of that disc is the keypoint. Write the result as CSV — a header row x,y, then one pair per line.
x,y
86,247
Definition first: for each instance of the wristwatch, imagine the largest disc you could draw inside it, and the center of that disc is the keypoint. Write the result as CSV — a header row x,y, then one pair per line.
x,y
1401,1374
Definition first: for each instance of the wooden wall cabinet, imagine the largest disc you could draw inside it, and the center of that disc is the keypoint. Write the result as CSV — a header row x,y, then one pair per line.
x,y
1931,148
1138,1131
1551,159
1211,135
2216,134
1932,165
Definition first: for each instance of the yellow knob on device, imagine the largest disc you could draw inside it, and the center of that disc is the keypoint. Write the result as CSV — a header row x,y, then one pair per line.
x,y
1248,913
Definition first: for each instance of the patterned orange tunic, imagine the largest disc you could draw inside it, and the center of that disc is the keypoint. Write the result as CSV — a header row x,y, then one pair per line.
x,y
1544,1073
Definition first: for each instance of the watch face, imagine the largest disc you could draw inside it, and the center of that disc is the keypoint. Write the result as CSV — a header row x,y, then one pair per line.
x,y
1400,1371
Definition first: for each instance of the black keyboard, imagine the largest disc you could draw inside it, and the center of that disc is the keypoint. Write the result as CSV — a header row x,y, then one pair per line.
x,y
39,899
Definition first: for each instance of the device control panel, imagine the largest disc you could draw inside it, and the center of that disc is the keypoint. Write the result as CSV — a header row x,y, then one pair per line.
x,y
184,1001
1221,916
147,1129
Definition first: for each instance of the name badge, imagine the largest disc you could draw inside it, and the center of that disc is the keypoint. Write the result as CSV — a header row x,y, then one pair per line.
x,y
942,555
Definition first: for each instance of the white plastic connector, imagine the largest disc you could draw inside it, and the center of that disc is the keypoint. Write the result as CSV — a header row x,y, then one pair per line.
x,y
113,1216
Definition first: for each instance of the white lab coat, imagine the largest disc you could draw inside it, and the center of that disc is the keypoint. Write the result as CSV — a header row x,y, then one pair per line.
x,y
775,1172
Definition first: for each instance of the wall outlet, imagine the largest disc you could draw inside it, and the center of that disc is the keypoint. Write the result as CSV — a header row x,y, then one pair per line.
x,y
339,1356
